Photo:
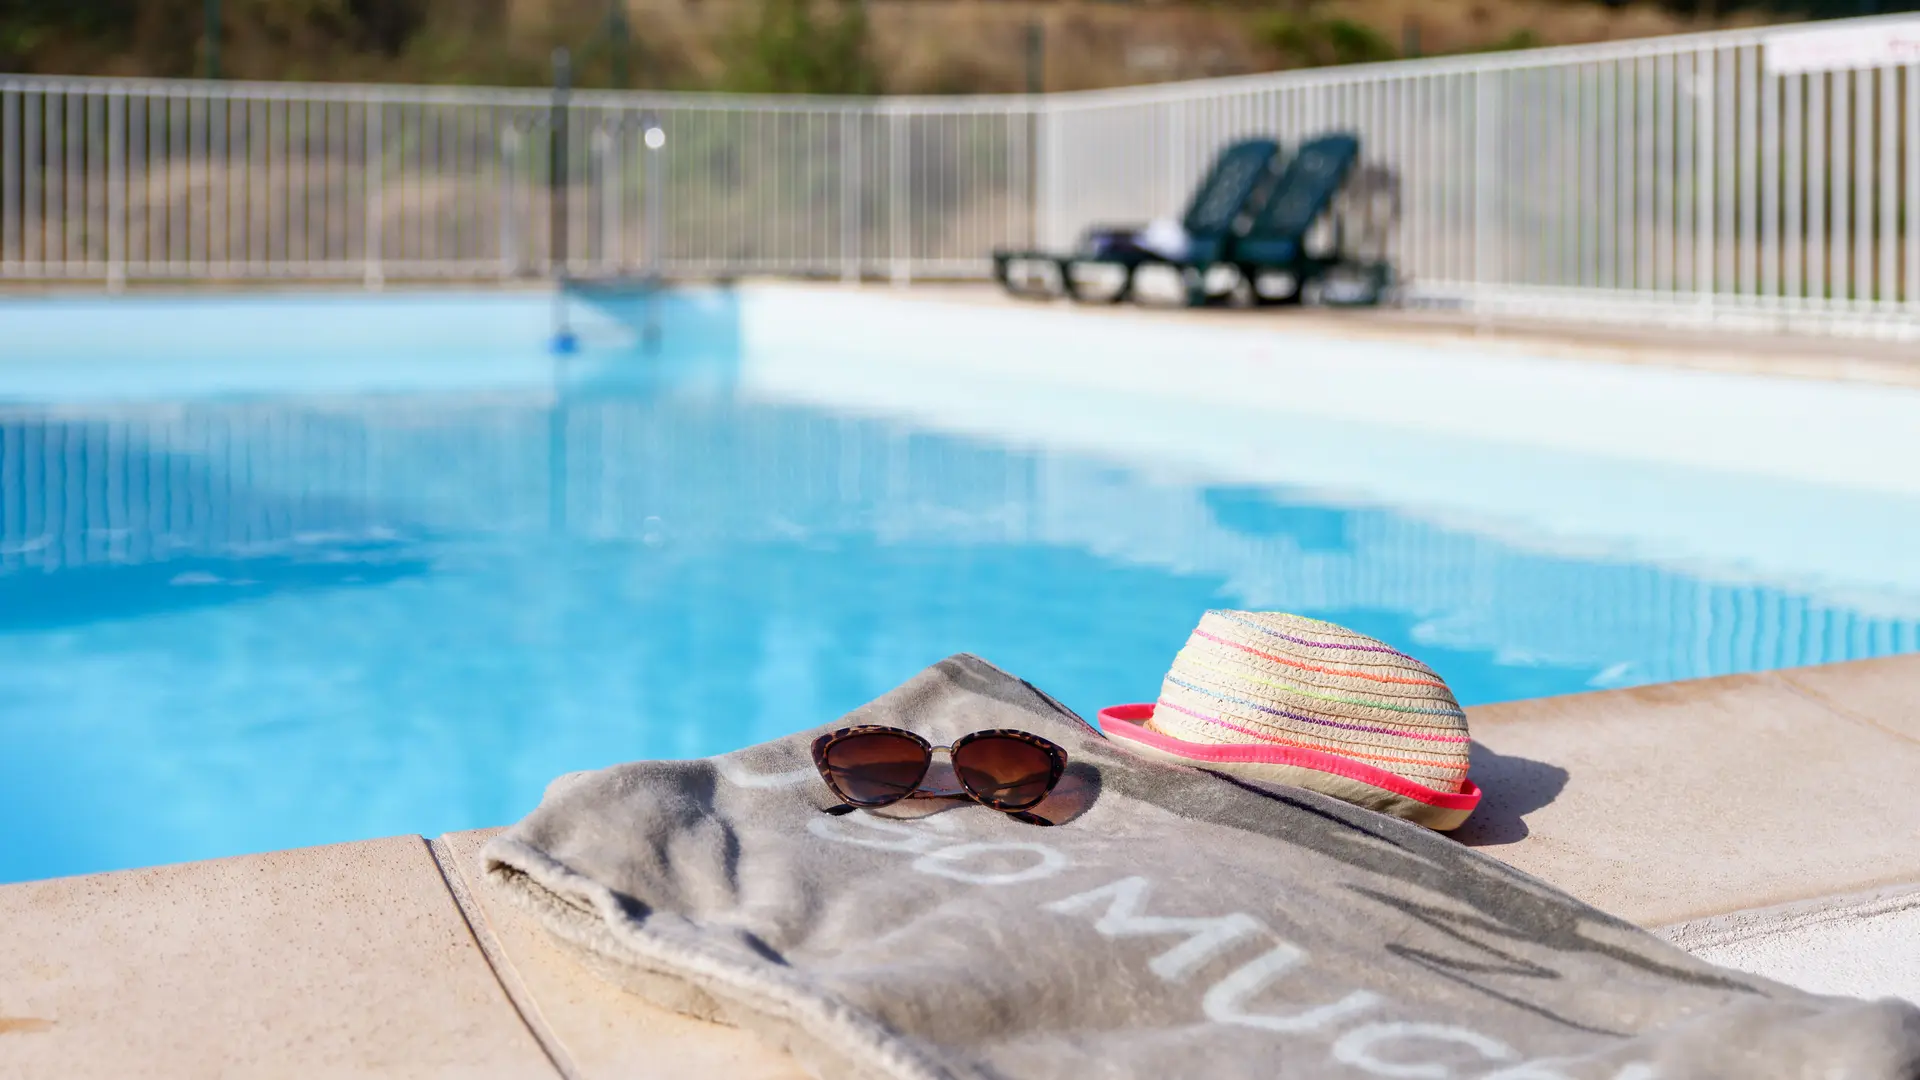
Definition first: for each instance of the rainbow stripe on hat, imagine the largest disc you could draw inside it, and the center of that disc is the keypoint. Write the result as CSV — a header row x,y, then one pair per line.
x,y
1283,698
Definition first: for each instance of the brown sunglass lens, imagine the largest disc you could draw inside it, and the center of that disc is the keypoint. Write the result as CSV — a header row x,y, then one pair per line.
x,y
1004,773
876,769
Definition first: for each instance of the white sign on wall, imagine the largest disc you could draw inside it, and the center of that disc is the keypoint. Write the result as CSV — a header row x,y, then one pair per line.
x,y
1877,44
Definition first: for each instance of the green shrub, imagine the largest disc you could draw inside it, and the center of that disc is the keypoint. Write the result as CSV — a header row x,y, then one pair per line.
x,y
793,47
1356,43
1519,39
1310,40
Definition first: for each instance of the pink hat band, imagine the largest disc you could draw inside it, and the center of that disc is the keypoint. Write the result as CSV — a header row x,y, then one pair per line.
x,y
1364,785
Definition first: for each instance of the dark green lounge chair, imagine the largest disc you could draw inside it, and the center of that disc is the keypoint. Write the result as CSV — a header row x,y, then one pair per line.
x,y
1274,241
1242,170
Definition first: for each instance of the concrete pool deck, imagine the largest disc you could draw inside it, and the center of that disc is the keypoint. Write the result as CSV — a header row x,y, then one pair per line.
x,y
1731,351
1764,820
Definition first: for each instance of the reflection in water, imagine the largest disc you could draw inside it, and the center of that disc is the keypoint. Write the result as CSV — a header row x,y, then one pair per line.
x,y
246,625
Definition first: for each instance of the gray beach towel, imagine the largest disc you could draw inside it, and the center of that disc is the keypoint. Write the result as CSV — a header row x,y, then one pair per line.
x,y
1175,924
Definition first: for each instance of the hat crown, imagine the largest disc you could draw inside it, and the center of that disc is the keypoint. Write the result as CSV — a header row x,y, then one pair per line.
x,y
1268,678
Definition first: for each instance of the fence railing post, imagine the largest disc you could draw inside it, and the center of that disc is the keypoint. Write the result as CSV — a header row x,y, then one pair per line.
x,y
655,178
899,238
12,164
605,222
1912,170
1048,150
1706,263
508,199
850,135
375,138
557,179
116,192
1484,176
1030,129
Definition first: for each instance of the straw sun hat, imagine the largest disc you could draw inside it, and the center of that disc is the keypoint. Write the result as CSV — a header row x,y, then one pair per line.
x,y
1266,696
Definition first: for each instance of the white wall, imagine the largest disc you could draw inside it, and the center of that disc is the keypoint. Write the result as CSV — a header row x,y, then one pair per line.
x,y
1805,484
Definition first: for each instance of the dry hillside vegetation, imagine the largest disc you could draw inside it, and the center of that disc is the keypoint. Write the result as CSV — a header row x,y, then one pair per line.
x,y
897,46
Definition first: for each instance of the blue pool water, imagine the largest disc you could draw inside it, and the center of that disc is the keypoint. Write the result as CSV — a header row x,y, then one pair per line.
x,y
299,590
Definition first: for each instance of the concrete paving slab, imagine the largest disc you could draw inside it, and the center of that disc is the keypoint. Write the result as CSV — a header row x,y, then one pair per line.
x,y
593,1029
1686,800
1745,352
349,960
1881,693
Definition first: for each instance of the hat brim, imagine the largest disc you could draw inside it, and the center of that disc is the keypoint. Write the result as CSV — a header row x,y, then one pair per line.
x,y
1329,774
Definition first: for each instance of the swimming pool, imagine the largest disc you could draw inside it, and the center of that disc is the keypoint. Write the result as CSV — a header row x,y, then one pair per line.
x,y
278,571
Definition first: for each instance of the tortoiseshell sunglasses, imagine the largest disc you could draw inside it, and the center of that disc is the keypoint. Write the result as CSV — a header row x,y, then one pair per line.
x,y
1005,770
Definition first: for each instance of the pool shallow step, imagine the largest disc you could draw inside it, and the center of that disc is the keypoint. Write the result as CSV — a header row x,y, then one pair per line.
x,y
1683,803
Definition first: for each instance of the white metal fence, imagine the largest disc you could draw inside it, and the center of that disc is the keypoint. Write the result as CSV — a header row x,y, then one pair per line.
x,y
114,180
1673,179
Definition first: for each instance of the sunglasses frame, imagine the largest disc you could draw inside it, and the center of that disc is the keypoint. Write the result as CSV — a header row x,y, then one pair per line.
x,y
1055,755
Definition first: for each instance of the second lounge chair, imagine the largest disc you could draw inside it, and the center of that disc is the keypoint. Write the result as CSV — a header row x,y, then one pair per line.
x,y
1274,241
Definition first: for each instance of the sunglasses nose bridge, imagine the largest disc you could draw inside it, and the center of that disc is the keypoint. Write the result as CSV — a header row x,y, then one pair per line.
x,y
938,749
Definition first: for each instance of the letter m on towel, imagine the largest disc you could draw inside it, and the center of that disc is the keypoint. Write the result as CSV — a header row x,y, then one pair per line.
x,y
1124,899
